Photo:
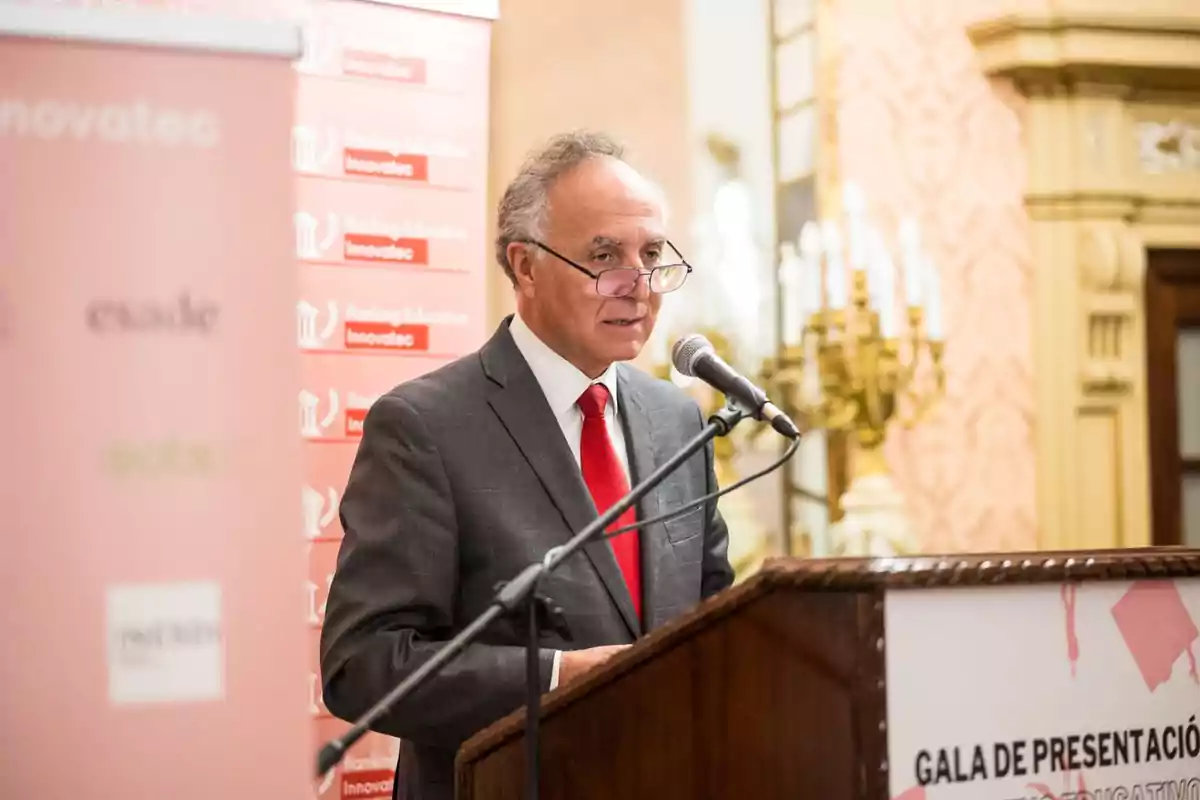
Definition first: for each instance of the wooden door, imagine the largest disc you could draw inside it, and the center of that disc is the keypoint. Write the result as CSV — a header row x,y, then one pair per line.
x,y
1173,397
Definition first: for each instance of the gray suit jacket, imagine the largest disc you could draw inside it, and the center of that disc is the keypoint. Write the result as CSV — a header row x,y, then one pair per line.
x,y
462,479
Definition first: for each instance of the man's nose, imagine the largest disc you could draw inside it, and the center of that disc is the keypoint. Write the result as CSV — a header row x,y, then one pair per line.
x,y
641,289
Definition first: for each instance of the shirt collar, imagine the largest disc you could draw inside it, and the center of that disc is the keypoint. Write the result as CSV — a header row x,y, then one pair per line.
x,y
561,381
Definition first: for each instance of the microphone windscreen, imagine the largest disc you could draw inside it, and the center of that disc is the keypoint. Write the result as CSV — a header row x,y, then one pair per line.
x,y
687,350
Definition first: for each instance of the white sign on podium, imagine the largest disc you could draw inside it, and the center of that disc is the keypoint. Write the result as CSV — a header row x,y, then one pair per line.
x,y
1066,692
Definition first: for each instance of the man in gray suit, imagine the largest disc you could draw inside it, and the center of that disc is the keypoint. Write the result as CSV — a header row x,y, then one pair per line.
x,y
467,475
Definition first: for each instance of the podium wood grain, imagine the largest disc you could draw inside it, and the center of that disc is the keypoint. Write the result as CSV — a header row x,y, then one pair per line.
x,y
774,689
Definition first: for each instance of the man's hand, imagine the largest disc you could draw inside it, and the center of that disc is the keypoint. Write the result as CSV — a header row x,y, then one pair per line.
x,y
575,663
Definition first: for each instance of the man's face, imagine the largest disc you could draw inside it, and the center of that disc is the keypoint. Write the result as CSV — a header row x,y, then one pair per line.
x,y
602,215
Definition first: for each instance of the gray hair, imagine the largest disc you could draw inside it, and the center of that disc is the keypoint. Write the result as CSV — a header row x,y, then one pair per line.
x,y
522,210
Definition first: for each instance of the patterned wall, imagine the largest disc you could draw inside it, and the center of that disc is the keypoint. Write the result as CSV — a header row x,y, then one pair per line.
x,y
924,132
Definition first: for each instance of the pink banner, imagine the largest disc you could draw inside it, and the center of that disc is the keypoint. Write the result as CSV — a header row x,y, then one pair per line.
x,y
153,645
388,147
390,152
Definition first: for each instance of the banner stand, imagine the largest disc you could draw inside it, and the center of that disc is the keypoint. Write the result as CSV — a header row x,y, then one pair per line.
x,y
154,634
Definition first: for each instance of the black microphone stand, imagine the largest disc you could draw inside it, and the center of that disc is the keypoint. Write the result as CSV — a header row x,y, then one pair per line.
x,y
520,596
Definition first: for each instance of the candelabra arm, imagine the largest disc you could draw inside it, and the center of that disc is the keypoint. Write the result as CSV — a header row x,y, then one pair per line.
x,y
916,337
920,410
908,370
843,417
875,395
924,402
835,414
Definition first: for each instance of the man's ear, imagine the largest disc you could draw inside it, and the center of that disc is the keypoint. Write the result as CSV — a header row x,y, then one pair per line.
x,y
520,257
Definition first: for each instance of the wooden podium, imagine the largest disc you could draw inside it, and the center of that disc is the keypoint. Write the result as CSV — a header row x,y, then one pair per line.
x,y
874,679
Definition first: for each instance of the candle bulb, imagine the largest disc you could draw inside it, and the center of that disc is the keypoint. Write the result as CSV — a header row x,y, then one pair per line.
x,y
856,228
835,276
883,287
791,284
815,273
933,302
873,273
910,254
810,257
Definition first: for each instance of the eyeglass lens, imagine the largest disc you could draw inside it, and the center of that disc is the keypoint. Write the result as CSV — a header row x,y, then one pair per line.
x,y
620,282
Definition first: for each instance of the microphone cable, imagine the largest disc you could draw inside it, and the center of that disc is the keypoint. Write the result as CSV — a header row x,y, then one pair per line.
x,y
708,498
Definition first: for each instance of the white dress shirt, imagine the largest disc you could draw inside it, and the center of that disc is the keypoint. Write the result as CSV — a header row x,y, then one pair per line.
x,y
563,384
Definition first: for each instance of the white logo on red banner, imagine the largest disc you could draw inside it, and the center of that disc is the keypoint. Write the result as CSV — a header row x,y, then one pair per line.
x,y
317,598
367,785
357,407
309,334
314,239
312,150
319,510
368,240
317,422
362,329
312,423
328,151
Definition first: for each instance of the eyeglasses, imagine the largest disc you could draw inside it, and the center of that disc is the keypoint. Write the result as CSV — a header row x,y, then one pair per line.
x,y
623,281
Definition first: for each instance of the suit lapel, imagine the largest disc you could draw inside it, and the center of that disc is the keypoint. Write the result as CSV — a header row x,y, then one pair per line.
x,y
521,405
643,437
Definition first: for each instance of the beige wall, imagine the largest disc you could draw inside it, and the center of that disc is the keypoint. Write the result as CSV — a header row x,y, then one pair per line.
x,y
1038,199
923,131
1111,86
619,67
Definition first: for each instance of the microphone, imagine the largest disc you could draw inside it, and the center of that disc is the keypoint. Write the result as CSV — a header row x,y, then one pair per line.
x,y
695,356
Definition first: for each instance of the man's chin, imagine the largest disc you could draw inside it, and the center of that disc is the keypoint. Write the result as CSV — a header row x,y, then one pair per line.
x,y
625,351
622,344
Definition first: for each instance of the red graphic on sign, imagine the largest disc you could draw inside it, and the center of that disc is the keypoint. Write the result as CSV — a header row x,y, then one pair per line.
x,y
386,336
392,224
355,418
371,247
373,753
915,793
1157,629
1069,591
1044,792
382,164
381,65
367,784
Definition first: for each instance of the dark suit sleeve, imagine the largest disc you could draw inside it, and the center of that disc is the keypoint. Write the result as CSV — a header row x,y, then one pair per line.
x,y
716,572
392,600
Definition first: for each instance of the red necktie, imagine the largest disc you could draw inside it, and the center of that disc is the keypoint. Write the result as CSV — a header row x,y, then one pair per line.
x,y
606,481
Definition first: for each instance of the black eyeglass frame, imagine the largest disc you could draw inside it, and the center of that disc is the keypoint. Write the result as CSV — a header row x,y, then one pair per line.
x,y
648,273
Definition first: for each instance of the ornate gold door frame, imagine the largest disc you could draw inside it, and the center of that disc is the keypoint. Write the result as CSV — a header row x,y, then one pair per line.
x,y
1113,137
